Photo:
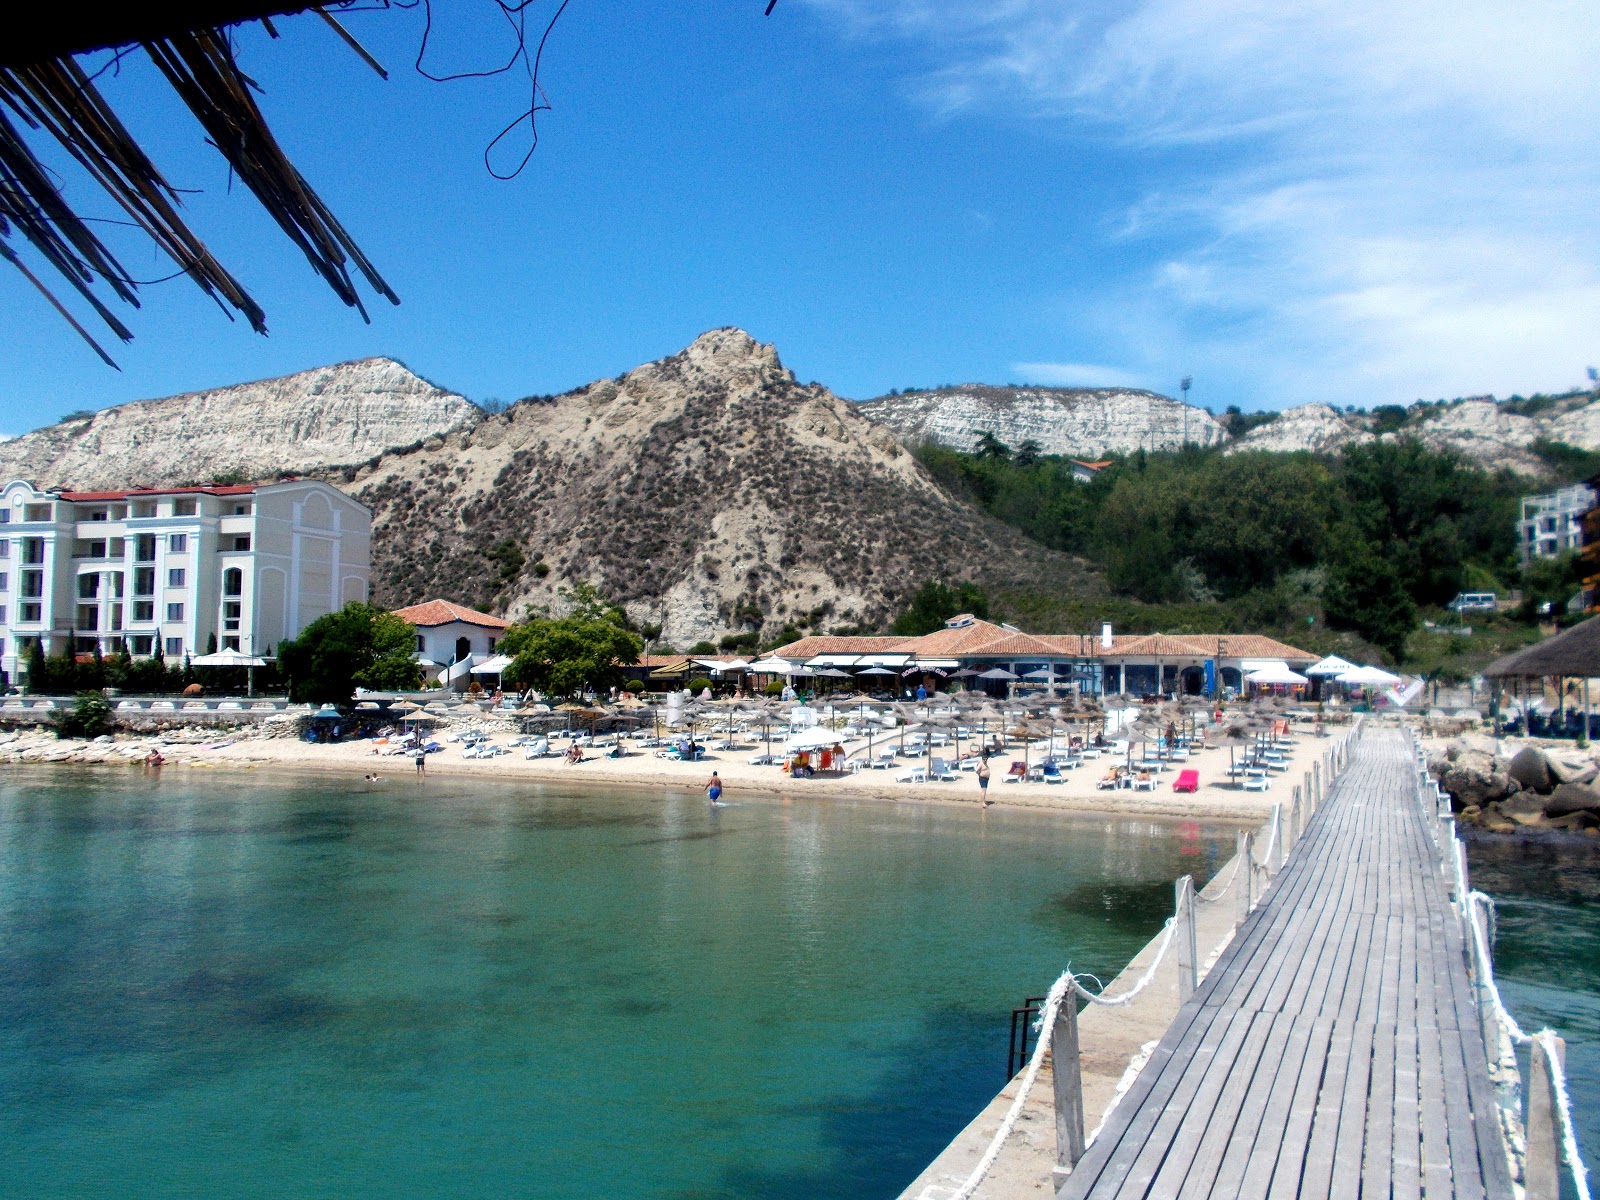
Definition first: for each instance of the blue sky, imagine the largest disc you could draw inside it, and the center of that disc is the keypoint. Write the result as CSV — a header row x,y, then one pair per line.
x,y
1355,202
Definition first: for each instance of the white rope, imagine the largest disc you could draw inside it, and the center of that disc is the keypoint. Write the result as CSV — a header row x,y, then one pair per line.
x,y
1545,1038
1266,857
1144,980
1047,1021
1563,1106
1238,859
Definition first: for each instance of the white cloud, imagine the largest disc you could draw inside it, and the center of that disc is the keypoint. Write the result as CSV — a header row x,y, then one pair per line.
x,y
1372,201
1069,374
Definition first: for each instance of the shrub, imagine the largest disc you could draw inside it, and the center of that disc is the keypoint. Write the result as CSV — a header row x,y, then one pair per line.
x,y
699,684
702,648
90,717
636,686
775,688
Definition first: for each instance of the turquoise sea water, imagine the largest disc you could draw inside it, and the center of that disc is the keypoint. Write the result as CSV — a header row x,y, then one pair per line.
x,y
1547,953
220,986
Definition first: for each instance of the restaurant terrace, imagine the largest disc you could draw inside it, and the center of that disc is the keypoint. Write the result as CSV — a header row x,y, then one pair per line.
x,y
990,655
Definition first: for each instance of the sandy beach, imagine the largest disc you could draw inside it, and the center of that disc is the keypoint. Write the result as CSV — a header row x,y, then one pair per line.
x,y
249,749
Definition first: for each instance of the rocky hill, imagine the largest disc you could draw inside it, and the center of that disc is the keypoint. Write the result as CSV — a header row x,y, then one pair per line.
x,y
1493,434
330,416
1078,422
708,492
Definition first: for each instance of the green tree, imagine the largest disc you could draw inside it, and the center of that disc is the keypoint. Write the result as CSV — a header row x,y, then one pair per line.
x,y
561,655
935,603
89,717
38,668
1028,453
1364,592
989,446
358,646
1548,581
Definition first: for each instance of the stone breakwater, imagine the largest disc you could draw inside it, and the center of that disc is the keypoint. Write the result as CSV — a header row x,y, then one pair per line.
x,y
1533,787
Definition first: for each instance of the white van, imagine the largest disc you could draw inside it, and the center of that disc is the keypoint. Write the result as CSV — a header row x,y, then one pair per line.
x,y
1475,602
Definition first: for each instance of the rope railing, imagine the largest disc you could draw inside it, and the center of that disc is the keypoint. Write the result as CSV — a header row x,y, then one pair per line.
x,y
1477,913
1056,1013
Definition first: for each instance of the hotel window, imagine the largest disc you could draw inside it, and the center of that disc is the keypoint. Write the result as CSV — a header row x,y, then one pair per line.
x,y
99,514
241,510
33,583
33,550
142,645
174,647
175,577
36,512
117,581
177,543
88,587
30,612
5,578
116,617
233,582
88,616
144,581
5,516
230,614
174,612
2,641
144,610
5,547
421,646
95,549
241,541
144,548
184,508
144,508
230,643
2,614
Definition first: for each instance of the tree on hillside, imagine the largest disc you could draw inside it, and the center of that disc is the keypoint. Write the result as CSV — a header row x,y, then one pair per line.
x,y
989,446
935,603
1028,453
560,655
358,646
1365,592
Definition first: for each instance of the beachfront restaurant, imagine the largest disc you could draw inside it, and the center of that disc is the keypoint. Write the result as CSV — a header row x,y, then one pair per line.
x,y
1000,658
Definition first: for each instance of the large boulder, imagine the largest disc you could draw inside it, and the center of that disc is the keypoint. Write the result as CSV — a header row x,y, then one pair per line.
x,y
1473,777
1531,769
1571,798
1571,770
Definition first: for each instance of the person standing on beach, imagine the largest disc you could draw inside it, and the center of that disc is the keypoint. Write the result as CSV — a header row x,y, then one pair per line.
x,y
422,762
983,779
714,788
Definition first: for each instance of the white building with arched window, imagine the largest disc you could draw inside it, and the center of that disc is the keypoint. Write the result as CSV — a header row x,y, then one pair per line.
x,y
170,568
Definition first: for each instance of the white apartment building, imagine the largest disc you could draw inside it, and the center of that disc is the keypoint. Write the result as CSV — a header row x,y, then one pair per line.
x,y
170,567
1553,523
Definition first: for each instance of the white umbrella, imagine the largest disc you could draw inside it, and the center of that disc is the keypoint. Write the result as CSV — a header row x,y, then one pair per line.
x,y
1332,665
812,739
1275,674
771,666
1368,677
491,666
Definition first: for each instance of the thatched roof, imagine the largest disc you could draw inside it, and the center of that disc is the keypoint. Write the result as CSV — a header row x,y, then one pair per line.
x,y
1574,652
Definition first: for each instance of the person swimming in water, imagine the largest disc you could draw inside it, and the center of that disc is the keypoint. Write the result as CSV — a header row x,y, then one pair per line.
x,y
714,788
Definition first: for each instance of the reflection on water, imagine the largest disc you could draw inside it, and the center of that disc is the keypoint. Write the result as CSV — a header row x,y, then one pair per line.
x,y
1547,950
225,988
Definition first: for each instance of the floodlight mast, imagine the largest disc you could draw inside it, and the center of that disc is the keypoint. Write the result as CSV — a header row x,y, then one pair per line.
x,y
1183,385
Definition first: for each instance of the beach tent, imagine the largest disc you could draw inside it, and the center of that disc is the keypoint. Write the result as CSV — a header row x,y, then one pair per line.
x,y
812,739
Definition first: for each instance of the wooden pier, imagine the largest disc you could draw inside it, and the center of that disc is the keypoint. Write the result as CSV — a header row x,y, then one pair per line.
x,y
1334,1049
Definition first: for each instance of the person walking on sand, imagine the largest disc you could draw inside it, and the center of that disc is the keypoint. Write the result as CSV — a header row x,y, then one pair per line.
x,y
714,788
983,779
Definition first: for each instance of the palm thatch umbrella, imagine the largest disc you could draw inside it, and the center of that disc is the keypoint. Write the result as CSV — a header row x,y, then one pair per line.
x,y
1236,733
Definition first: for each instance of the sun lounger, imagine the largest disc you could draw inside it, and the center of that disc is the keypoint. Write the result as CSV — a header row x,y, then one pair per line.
x,y
883,761
1109,781
1144,782
1051,773
940,771
1256,780
1015,773
914,775
1187,781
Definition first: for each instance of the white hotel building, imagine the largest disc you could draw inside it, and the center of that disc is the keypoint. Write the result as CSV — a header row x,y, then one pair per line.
x,y
170,567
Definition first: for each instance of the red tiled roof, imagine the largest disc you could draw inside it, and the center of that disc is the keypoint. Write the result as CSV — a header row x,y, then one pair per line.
x,y
1093,466
810,647
442,612
218,489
